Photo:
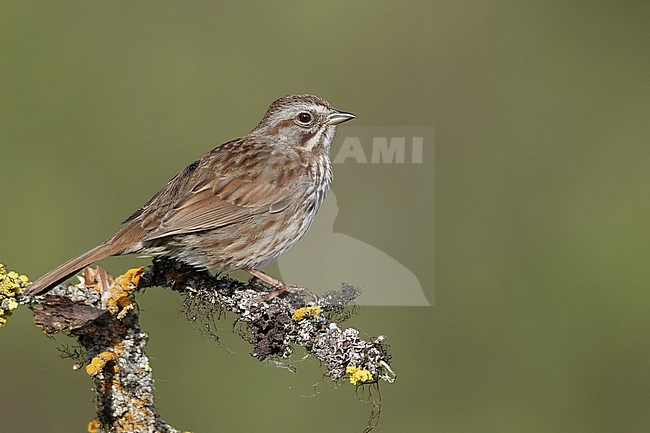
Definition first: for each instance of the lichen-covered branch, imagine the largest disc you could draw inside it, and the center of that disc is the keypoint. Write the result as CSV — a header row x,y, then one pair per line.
x,y
277,324
100,312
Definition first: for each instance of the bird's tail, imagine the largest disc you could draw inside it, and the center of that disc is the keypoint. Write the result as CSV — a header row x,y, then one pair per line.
x,y
69,268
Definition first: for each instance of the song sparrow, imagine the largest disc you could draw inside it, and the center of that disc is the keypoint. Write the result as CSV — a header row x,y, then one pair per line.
x,y
238,207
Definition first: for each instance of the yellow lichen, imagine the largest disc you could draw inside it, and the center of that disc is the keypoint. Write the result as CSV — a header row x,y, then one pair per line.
x,y
130,279
93,426
119,302
358,375
11,285
99,362
305,312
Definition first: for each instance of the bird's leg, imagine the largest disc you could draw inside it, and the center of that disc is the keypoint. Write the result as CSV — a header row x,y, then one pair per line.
x,y
266,278
280,287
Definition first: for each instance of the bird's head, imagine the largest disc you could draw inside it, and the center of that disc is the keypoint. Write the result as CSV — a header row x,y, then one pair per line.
x,y
304,121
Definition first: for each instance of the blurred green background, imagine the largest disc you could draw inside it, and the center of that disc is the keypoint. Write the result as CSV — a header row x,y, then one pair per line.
x,y
540,322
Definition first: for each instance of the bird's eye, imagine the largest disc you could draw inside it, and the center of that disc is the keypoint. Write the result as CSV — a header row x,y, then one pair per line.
x,y
304,117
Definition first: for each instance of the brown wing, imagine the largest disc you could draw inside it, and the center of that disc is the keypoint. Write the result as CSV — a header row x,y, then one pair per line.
x,y
173,186
232,183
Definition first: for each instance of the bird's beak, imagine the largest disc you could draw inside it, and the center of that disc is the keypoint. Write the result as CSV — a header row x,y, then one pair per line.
x,y
339,117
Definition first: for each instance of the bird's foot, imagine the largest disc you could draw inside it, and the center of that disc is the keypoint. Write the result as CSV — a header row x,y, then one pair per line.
x,y
280,287
289,288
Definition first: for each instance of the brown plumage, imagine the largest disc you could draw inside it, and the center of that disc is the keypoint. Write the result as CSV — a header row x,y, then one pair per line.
x,y
241,205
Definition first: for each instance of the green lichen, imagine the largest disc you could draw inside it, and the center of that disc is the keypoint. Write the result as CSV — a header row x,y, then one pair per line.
x,y
11,285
